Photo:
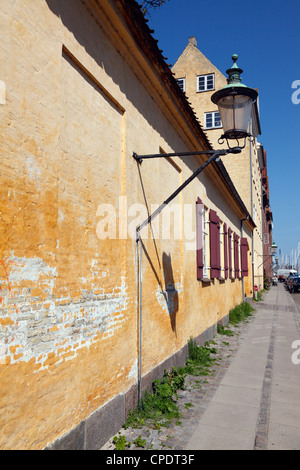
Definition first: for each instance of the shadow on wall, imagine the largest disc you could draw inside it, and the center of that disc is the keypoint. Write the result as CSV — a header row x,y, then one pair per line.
x,y
170,293
77,19
168,290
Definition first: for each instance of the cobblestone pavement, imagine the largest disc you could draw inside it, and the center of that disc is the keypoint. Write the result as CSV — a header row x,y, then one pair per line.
x,y
192,401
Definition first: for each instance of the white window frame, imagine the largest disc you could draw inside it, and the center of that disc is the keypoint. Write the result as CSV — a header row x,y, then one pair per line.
x,y
239,255
222,251
205,243
206,79
183,83
232,274
213,114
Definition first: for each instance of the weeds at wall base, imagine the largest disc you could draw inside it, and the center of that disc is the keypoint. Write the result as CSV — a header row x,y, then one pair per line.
x,y
159,408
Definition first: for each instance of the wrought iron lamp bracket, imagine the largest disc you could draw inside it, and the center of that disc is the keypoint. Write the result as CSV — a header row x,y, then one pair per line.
x,y
223,138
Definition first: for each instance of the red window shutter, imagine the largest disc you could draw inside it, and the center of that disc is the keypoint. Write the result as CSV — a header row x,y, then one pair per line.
x,y
236,255
199,232
244,256
230,252
214,241
226,250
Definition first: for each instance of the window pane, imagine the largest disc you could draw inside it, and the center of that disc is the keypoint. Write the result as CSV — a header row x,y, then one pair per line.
x,y
201,83
208,120
210,82
217,120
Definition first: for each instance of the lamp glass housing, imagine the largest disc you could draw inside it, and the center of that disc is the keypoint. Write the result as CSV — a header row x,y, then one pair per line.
x,y
273,248
235,110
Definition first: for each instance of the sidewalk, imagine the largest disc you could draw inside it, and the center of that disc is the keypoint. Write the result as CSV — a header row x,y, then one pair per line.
x,y
252,399
257,404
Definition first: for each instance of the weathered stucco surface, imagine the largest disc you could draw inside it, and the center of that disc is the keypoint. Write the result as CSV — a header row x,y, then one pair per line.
x,y
77,105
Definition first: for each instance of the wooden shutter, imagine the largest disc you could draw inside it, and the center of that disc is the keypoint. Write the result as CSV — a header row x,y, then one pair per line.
x,y
199,232
229,252
236,255
244,256
214,242
226,250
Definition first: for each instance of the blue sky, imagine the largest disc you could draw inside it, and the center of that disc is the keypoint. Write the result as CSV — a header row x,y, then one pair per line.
x,y
266,37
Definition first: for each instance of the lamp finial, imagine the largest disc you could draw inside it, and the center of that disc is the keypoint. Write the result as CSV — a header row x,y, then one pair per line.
x,y
234,73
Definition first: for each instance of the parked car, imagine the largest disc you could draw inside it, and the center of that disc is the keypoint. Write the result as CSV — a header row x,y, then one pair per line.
x,y
293,283
284,273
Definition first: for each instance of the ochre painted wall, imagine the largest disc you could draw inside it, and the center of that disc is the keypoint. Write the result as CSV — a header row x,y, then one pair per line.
x,y
77,106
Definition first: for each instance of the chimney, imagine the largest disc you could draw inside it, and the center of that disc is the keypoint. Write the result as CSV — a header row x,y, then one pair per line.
x,y
193,40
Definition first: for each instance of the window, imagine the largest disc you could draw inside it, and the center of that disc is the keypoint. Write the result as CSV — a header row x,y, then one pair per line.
x,y
202,241
236,255
221,253
244,256
266,239
214,244
222,249
212,120
230,253
225,250
206,82
206,263
181,83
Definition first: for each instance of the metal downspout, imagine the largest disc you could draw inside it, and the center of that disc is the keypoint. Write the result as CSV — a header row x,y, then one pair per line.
x,y
251,192
242,234
139,258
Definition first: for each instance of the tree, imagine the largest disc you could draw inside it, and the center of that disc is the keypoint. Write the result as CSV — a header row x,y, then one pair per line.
x,y
148,4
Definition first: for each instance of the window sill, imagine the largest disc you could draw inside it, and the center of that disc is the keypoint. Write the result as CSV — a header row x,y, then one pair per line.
x,y
207,280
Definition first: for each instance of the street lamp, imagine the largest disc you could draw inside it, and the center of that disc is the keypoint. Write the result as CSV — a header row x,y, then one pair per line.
x,y
273,248
235,102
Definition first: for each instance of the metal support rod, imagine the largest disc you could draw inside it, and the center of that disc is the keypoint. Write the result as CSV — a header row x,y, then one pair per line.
x,y
140,158
213,156
265,260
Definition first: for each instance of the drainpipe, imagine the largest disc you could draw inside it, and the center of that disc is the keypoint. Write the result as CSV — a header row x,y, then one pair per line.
x,y
242,234
139,308
251,192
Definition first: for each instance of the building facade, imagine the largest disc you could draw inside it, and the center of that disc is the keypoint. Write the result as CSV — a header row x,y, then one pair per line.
x,y
84,86
199,79
267,222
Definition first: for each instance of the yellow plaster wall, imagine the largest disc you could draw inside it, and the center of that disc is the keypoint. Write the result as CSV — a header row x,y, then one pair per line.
x,y
75,110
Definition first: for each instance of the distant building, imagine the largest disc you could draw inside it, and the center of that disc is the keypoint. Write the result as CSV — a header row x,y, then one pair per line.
x,y
199,79
267,220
